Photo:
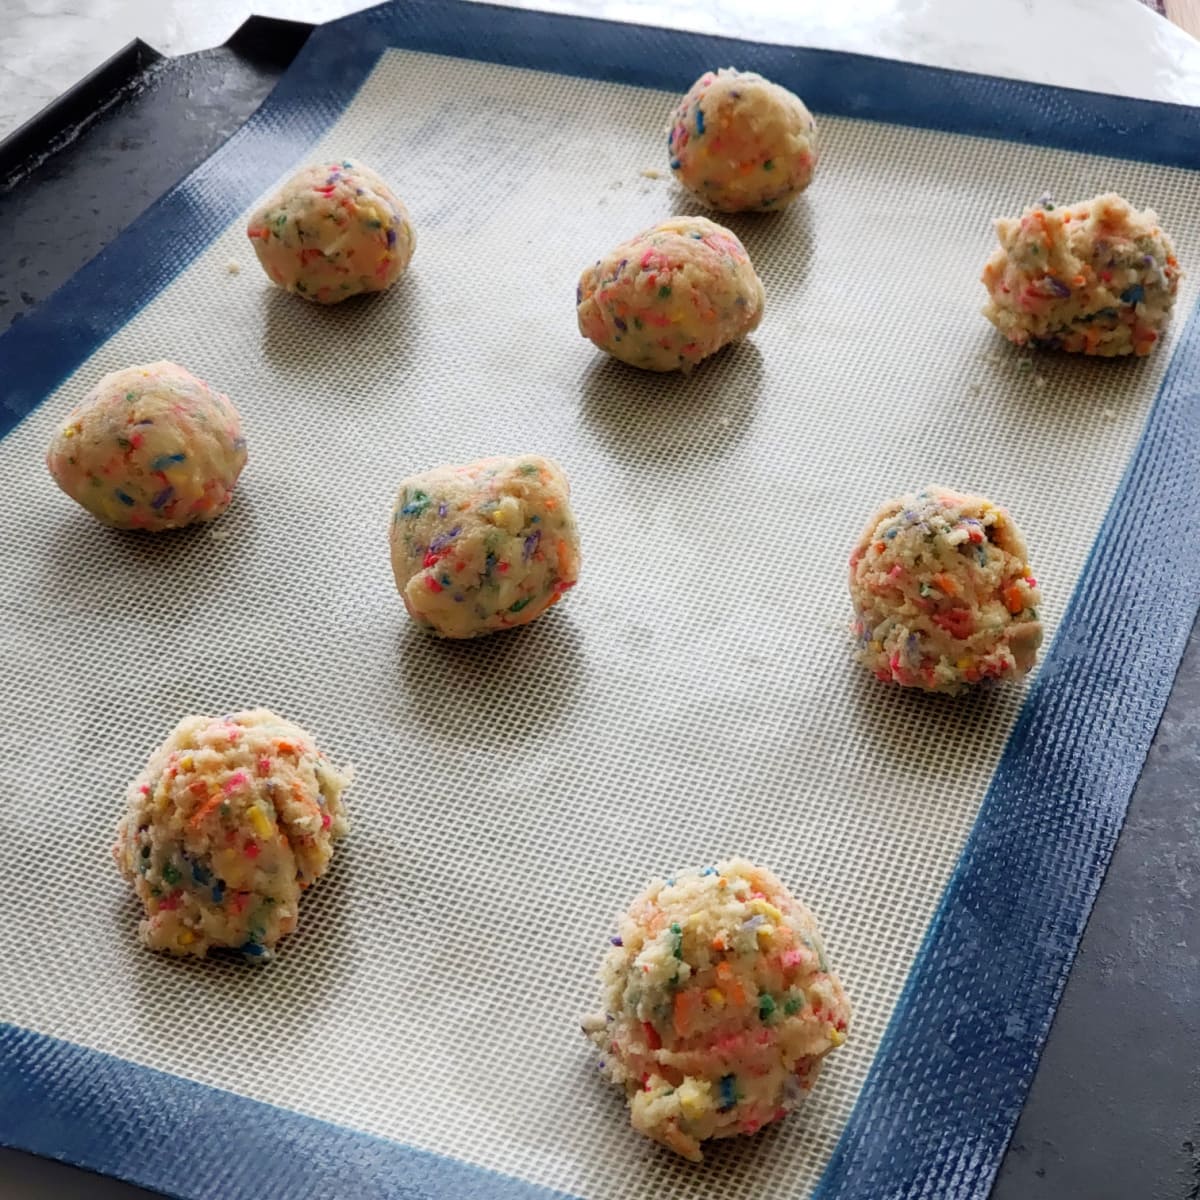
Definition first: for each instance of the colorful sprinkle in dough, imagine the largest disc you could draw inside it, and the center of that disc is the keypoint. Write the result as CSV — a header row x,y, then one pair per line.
x,y
740,143
671,296
943,595
231,819
1091,278
150,448
720,1006
485,546
331,232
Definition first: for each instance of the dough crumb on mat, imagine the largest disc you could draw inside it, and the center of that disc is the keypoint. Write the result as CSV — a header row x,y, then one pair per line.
x,y
719,1005
230,820
333,231
943,595
151,448
485,546
670,296
740,143
1097,277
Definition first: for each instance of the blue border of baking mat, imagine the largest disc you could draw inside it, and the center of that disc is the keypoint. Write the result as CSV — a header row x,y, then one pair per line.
x,y
946,1087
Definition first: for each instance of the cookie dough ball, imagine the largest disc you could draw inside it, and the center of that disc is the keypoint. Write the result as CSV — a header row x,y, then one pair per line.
x,y
231,819
719,1005
333,231
485,546
671,296
740,143
943,595
150,448
1091,278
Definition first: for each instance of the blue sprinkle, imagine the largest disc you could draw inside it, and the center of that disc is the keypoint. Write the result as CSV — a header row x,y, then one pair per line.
x,y
674,164
709,871
671,882
531,544
534,520
620,324
124,499
728,1086
442,509
445,581
348,165
161,464
615,941
1133,295
698,236
200,873
578,294
218,892
391,237
489,562
162,498
252,950
699,119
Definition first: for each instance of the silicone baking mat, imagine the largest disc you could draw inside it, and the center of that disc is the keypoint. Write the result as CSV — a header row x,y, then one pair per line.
x,y
695,696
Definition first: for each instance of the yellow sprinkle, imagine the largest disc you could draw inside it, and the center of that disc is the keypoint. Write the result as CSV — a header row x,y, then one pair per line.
x,y
767,910
836,1036
187,764
69,431
262,826
693,1098
186,937
508,515
963,663
765,933
715,998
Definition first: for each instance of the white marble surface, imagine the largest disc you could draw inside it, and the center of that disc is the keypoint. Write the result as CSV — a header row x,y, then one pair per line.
x,y
1104,45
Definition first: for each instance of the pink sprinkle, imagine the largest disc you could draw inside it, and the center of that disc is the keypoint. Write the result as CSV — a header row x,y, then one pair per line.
x,y
264,765
236,780
325,821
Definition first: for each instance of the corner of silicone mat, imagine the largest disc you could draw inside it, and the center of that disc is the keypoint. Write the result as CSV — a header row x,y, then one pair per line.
x,y
196,1142
943,1095
37,354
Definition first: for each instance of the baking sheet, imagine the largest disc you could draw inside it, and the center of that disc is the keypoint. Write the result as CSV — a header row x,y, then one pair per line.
x,y
694,697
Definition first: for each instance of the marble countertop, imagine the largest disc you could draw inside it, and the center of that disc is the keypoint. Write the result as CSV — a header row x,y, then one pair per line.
x,y
1117,46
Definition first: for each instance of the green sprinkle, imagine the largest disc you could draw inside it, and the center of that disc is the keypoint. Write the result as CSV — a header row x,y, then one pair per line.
x,y
664,292
416,502
766,1006
637,322
170,874
769,165
676,940
520,604
529,469
792,1005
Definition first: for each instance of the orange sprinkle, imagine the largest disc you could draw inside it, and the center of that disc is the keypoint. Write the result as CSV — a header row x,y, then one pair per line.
x,y
688,1006
286,748
212,802
1014,599
946,583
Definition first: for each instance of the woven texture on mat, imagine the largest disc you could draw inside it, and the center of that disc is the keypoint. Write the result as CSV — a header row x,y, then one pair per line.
x,y
693,698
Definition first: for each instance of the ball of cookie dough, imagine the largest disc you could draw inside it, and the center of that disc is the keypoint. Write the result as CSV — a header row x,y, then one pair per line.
x,y
485,546
231,819
150,448
671,296
1091,278
333,231
739,142
719,1005
943,595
